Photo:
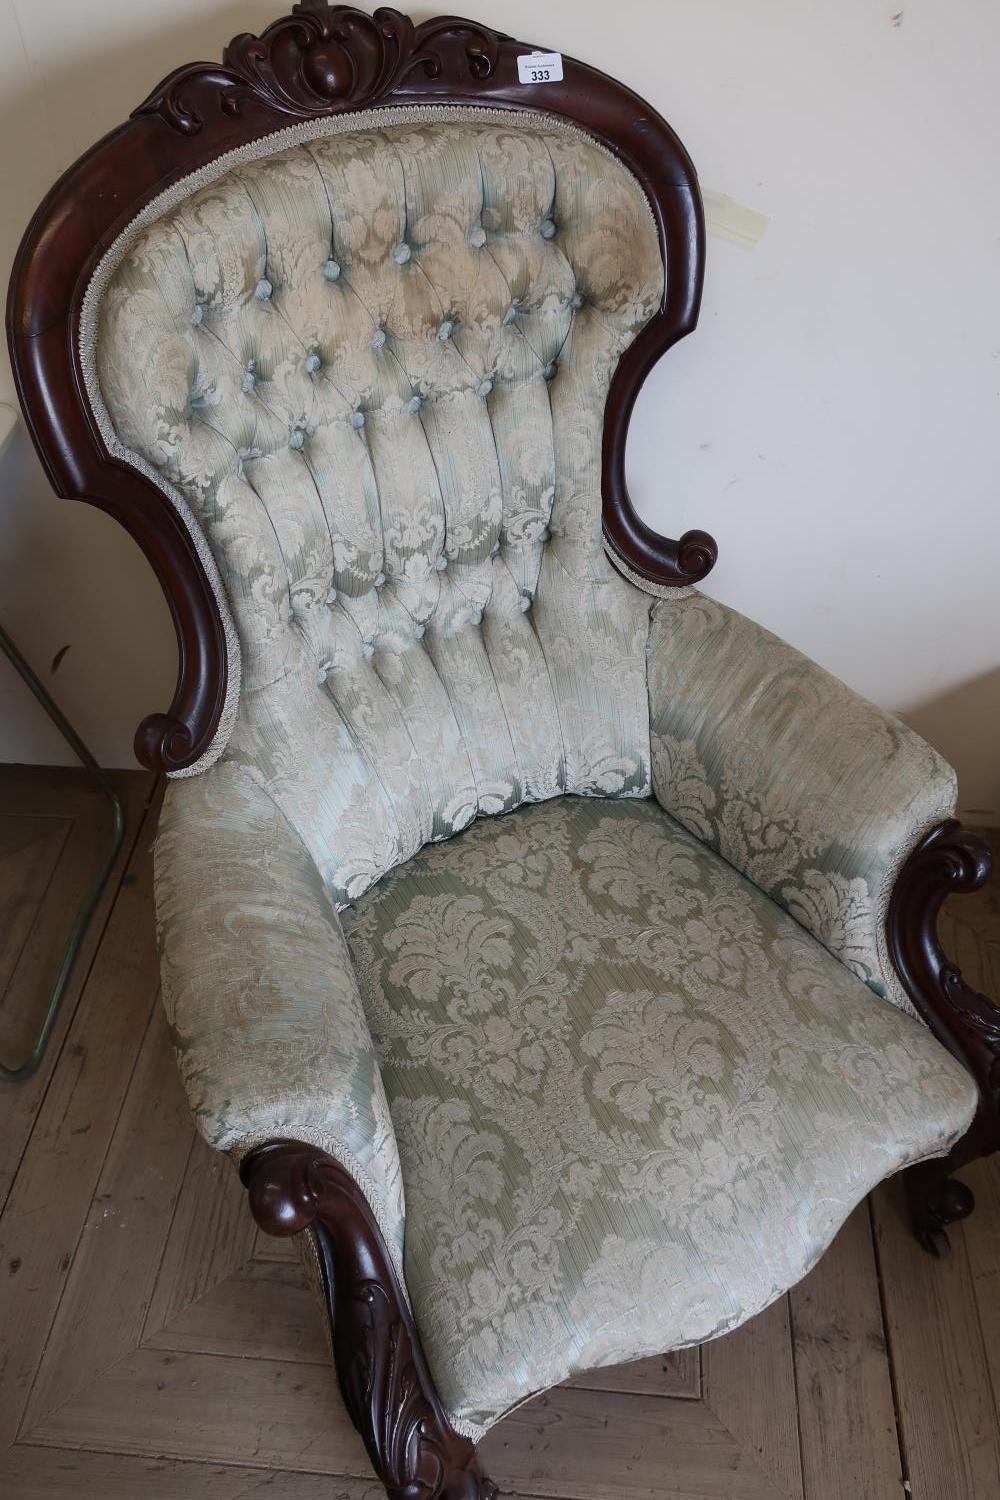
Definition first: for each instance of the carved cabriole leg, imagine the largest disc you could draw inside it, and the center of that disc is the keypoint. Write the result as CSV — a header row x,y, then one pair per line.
x,y
948,861
384,1379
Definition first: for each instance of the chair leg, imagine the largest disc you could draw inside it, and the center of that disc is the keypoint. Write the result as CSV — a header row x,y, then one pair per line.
x,y
384,1379
935,1200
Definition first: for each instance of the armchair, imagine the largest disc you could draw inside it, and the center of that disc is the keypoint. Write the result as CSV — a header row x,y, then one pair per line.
x,y
553,949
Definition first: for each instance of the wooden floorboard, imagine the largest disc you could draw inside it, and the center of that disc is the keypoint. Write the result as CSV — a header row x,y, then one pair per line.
x,y
68,796
154,1346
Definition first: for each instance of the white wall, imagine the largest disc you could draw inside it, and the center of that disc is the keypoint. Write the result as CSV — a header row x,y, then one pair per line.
x,y
833,422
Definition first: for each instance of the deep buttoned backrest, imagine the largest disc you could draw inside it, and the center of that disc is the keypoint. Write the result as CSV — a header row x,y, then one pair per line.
x,y
374,364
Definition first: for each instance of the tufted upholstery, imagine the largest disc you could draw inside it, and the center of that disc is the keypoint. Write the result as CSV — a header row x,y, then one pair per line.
x,y
375,365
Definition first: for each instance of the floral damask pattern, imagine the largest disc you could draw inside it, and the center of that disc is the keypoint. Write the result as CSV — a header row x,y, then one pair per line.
x,y
374,365
633,1098
810,791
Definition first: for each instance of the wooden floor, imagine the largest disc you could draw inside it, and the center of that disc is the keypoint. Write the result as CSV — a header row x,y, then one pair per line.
x,y
153,1347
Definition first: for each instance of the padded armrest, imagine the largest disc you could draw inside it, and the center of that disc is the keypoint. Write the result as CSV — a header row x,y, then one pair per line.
x,y
809,790
260,992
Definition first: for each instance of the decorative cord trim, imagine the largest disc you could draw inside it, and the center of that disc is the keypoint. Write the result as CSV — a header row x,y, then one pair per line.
x,y
268,145
659,590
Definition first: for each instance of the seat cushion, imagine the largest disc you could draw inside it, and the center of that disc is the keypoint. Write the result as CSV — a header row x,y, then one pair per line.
x,y
634,1099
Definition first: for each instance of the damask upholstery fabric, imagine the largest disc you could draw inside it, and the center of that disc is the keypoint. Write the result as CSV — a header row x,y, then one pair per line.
x,y
630,1097
259,989
813,793
375,365
633,1098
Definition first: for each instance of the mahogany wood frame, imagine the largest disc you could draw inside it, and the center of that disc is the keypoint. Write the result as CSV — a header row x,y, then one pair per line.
x,y
320,60
325,60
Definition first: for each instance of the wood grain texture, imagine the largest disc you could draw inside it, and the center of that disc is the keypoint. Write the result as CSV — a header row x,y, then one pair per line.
x,y
66,794
322,60
55,1185
842,1374
173,1352
945,1406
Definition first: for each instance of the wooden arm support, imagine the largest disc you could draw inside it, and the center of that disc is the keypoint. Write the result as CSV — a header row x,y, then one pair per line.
x,y
384,1379
949,861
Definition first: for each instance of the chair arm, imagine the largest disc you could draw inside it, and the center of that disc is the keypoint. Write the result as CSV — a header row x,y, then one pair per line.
x,y
260,992
809,790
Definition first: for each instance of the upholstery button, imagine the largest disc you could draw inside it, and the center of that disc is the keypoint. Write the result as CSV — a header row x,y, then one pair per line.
x,y
332,270
312,362
331,597
415,403
368,650
197,316
291,617
263,289
549,372
401,253
249,381
477,237
378,338
419,632
543,535
576,300
445,329
524,603
297,438
547,229
495,550
484,387
441,563
476,617
357,419
379,580
511,314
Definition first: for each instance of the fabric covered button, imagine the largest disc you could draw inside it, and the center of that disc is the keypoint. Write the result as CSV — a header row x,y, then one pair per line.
x,y
331,598
576,300
379,580
418,632
263,289
401,253
415,403
249,381
357,419
332,270
549,372
476,617
323,671
511,314
495,550
483,388
197,316
368,650
445,329
441,563
312,362
524,603
543,535
477,237
378,338
296,438
547,229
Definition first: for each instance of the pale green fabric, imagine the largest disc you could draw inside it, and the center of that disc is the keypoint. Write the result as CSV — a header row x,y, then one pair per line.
x,y
375,366
259,989
634,1099
815,794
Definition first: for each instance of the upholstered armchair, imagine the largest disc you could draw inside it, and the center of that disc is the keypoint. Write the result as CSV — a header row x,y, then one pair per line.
x,y
553,948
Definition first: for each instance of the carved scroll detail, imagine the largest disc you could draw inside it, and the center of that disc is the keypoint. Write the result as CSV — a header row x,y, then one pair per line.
x,y
950,860
384,1379
322,59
